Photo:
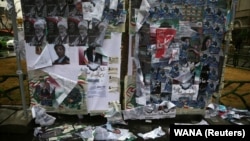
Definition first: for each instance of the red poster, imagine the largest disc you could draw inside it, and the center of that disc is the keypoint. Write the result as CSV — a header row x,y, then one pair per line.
x,y
164,36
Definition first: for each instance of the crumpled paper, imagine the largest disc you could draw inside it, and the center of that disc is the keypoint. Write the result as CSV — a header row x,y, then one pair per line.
x,y
118,134
156,133
166,109
42,117
114,114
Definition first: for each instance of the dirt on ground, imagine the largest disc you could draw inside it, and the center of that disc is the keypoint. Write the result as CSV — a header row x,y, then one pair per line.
x,y
236,88
232,73
9,67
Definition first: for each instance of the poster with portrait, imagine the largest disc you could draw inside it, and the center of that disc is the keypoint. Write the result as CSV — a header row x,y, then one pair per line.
x,y
93,9
58,8
35,33
28,25
52,32
75,8
73,63
34,8
78,32
73,31
104,76
58,94
183,40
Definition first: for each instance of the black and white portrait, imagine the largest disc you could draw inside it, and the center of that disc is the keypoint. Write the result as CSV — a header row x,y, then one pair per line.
x,y
28,29
35,9
75,9
39,33
58,8
62,37
96,34
82,38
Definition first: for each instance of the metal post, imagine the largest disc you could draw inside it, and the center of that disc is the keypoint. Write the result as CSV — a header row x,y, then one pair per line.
x,y
19,71
230,29
228,39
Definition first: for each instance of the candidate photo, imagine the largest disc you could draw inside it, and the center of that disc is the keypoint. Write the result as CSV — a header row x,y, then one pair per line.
x,y
60,51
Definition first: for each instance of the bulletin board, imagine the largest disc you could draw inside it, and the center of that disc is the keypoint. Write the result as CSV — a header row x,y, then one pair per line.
x,y
175,54
73,53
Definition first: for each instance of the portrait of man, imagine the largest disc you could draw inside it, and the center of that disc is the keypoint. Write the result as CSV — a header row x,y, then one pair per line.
x,y
72,27
76,9
44,92
60,52
186,43
39,39
39,9
82,39
62,31
60,9
93,56
28,29
100,34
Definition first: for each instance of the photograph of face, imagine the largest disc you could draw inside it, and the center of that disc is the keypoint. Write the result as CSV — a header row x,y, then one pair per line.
x,y
39,39
76,9
72,28
97,33
34,9
61,54
62,37
62,29
83,30
40,8
92,57
82,38
206,43
44,92
58,8
39,31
